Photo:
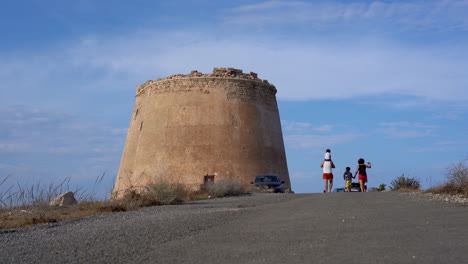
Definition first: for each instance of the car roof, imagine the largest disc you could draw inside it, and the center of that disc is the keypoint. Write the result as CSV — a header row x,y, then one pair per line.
x,y
267,178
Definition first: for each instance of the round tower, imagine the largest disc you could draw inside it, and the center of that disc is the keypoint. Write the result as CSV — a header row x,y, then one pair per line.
x,y
198,127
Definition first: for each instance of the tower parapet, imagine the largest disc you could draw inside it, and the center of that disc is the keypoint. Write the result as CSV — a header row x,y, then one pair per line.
x,y
221,73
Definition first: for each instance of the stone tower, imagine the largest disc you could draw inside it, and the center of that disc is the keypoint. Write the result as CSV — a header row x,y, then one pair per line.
x,y
203,127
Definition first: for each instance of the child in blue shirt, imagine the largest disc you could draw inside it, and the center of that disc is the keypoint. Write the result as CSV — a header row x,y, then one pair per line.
x,y
348,177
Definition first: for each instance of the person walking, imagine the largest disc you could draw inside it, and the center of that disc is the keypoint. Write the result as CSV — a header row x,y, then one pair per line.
x,y
348,177
327,165
361,169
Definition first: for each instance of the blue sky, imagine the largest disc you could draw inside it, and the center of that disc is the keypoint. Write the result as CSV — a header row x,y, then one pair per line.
x,y
382,80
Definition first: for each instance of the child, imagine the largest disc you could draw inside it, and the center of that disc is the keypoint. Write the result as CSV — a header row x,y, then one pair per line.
x,y
327,155
348,177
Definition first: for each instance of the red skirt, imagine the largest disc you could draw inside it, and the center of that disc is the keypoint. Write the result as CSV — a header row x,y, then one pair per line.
x,y
363,177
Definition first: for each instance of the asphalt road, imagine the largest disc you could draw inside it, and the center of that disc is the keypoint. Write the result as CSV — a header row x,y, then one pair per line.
x,y
270,228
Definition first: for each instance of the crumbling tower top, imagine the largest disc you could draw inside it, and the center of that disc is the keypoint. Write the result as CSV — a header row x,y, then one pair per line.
x,y
218,73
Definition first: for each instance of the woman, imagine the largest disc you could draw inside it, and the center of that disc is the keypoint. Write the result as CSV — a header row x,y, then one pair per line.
x,y
361,169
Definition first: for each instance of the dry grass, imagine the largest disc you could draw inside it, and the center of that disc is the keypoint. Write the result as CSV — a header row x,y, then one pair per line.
x,y
457,180
450,188
154,194
36,194
20,217
32,206
42,212
226,187
404,189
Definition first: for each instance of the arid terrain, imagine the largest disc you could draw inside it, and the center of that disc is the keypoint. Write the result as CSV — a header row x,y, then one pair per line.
x,y
391,227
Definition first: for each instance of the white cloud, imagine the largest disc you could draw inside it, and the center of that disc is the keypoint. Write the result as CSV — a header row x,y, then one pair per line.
x,y
304,127
408,124
293,126
31,131
406,129
14,147
442,15
453,142
324,128
303,175
305,70
317,141
448,116
269,5
119,131
431,149
40,145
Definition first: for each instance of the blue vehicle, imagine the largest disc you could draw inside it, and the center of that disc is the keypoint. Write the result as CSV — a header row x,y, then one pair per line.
x,y
339,190
355,187
268,183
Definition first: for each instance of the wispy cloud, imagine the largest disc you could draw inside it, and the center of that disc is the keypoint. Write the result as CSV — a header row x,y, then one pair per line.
x,y
318,141
432,149
304,127
28,132
408,124
407,129
324,128
452,142
442,15
293,126
448,116
303,175
309,70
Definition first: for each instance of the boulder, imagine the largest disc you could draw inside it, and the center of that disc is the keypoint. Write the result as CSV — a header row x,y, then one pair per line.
x,y
64,199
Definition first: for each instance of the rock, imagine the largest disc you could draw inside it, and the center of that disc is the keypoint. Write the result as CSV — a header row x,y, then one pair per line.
x,y
64,199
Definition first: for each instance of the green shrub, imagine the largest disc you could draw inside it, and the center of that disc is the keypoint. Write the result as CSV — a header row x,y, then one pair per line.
x,y
403,182
382,187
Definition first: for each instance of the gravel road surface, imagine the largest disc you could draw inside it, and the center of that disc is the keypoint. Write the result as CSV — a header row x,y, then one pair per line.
x,y
263,228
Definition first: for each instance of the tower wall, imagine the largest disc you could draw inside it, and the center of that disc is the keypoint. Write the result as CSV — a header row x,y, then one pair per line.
x,y
185,127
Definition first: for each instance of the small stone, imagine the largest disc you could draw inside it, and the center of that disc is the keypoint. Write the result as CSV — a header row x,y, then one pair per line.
x,y
64,199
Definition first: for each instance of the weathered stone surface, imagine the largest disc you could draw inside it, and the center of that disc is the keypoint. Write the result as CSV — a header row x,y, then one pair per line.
x,y
64,199
185,127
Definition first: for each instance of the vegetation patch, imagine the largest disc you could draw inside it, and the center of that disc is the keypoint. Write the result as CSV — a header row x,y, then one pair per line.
x,y
456,180
24,206
225,187
405,183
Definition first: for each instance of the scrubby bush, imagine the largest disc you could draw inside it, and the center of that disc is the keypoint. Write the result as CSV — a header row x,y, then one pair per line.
x,y
457,173
382,187
457,180
154,194
225,187
404,182
166,193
